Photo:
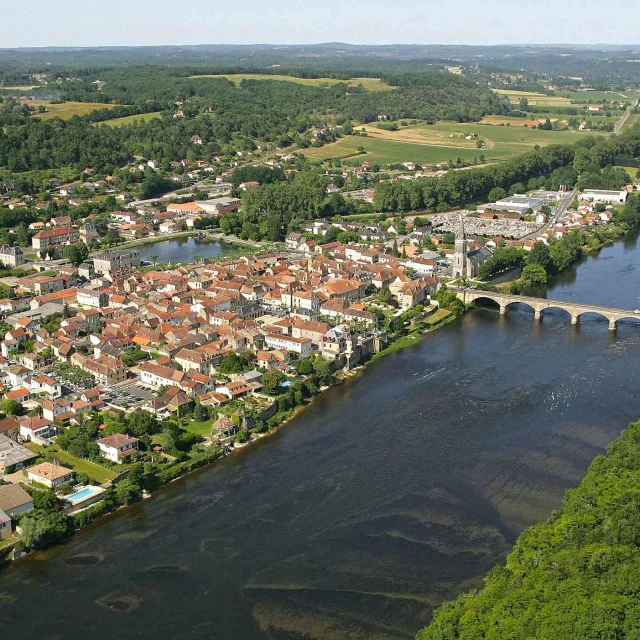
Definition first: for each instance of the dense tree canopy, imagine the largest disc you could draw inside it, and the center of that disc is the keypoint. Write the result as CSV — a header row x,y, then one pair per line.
x,y
575,575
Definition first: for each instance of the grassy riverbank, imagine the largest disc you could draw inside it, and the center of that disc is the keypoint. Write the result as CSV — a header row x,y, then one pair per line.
x,y
435,320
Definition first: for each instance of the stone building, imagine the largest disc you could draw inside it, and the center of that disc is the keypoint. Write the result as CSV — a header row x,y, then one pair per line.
x,y
467,263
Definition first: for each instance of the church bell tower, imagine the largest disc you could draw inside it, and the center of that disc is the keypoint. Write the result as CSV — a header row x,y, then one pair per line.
x,y
460,256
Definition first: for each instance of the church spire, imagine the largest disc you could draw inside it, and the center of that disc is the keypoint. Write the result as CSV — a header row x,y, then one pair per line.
x,y
460,228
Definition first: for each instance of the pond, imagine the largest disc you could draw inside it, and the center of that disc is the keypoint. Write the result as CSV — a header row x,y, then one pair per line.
x,y
184,250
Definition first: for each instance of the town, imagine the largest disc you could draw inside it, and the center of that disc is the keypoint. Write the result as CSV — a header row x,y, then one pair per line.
x,y
119,376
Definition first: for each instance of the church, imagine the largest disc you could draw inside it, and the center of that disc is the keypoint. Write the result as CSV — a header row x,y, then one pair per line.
x,y
467,263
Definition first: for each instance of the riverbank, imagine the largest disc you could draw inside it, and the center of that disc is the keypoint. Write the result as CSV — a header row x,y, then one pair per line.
x,y
593,241
588,551
389,493
422,323
407,333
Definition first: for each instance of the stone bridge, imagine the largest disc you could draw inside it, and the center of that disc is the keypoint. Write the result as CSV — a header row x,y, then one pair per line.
x,y
540,305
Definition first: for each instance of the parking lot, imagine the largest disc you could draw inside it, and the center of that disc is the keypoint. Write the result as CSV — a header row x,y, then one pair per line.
x,y
130,392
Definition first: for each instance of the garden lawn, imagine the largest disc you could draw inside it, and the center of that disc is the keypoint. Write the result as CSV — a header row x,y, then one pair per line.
x,y
95,471
438,316
199,428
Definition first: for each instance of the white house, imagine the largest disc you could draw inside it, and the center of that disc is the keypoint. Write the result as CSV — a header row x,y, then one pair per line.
x,y
34,429
14,500
117,447
17,374
46,384
50,475
302,346
422,266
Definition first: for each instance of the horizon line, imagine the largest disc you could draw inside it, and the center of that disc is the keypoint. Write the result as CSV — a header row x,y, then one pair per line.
x,y
324,44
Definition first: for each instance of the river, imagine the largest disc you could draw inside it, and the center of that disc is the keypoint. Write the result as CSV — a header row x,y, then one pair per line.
x,y
391,493
183,250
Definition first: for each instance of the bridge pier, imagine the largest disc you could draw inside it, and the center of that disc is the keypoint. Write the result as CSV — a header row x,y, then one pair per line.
x,y
540,306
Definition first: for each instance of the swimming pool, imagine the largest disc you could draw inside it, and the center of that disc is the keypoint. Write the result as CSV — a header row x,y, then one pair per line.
x,y
83,494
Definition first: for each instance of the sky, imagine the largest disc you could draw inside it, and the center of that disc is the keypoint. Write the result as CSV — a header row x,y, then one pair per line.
x,y
37,23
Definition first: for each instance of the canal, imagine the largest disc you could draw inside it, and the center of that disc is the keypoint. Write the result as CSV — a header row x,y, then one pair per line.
x,y
391,493
183,250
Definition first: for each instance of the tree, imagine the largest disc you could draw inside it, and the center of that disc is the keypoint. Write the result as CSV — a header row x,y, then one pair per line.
x,y
46,531
199,412
141,422
112,237
348,236
324,370
76,253
271,382
449,301
386,297
524,104
534,274
12,407
154,258
540,255
579,567
304,367
45,500
497,193
127,492
233,363
172,434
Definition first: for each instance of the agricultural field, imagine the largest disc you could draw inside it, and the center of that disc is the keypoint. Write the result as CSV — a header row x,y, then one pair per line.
x,y
513,121
537,99
633,119
120,122
441,142
451,134
28,87
599,96
632,171
381,151
66,110
370,84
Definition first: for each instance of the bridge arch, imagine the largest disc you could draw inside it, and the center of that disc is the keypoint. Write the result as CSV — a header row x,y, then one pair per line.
x,y
540,305
601,314
496,300
631,316
524,303
489,298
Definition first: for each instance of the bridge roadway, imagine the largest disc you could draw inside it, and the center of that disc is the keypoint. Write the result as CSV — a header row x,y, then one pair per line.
x,y
539,305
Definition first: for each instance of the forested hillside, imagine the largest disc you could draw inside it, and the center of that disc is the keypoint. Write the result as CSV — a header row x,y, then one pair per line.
x,y
427,95
220,112
575,576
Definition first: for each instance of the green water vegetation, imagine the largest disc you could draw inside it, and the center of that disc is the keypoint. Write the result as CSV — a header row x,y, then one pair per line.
x,y
574,576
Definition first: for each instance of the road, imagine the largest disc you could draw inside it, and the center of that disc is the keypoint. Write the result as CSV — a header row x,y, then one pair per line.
x,y
555,216
624,118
